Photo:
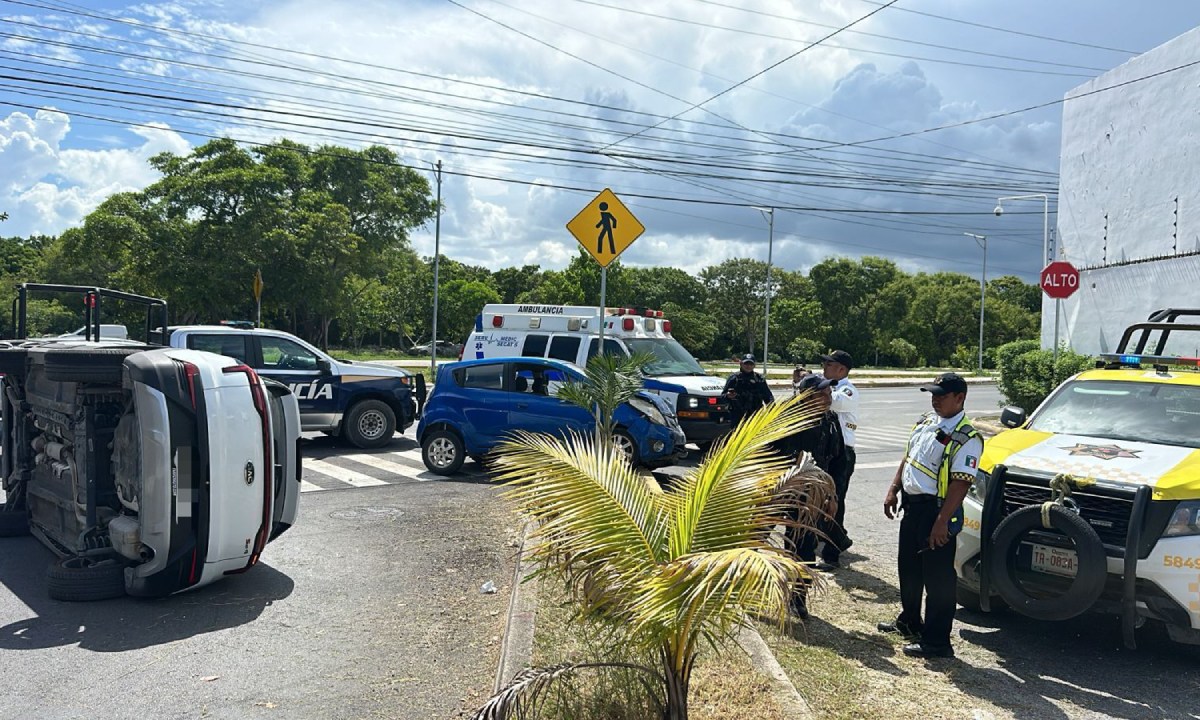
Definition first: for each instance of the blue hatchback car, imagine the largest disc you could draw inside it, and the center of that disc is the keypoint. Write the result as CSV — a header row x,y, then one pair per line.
x,y
475,404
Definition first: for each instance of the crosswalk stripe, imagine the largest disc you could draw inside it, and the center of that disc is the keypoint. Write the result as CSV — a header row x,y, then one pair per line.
x,y
306,486
876,465
384,461
347,476
883,434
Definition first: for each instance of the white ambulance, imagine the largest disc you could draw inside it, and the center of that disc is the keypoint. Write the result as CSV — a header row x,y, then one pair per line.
x,y
571,333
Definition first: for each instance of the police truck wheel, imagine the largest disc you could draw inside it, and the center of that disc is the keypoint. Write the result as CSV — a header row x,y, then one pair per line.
x,y
443,452
1084,588
623,441
87,364
369,424
83,579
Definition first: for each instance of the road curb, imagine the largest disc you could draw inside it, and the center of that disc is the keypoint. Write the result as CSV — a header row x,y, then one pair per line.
x,y
516,648
791,702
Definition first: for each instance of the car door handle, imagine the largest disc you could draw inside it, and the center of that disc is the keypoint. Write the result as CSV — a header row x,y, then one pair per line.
x,y
522,405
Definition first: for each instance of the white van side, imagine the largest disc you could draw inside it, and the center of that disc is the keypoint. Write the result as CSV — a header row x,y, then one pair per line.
x,y
571,333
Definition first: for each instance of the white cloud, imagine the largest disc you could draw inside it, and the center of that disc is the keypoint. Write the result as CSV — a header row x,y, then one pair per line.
x,y
46,188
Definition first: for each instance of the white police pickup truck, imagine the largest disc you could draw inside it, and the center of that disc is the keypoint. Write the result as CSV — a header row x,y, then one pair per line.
x,y
365,403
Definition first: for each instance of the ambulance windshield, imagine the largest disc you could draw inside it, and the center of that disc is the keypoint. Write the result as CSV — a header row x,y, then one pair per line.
x,y
670,358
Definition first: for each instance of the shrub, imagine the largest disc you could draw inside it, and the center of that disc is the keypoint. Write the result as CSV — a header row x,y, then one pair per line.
x,y
1003,354
1027,378
805,350
902,352
964,357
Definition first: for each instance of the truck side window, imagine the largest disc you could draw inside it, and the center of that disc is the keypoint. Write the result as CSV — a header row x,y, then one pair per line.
x,y
535,346
283,354
233,346
564,347
611,347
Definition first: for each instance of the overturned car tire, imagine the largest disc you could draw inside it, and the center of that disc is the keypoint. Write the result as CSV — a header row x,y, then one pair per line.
x,y
82,579
87,364
1084,588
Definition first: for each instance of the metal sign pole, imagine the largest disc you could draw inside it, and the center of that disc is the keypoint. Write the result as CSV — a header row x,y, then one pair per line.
x,y
600,349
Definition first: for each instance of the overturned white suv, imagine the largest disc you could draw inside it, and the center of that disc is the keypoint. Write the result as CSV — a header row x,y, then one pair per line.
x,y
147,470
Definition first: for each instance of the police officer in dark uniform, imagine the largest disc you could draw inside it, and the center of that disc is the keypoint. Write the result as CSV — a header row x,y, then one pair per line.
x,y
939,466
824,442
746,392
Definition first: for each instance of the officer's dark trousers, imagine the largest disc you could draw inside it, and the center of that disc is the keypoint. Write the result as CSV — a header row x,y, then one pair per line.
x,y
836,530
924,570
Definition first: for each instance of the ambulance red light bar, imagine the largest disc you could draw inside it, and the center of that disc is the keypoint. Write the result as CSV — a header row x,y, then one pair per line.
x,y
497,321
627,324
1134,359
644,312
666,326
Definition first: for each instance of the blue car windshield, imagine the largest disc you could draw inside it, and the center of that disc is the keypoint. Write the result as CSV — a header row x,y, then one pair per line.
x,y
1159,413
670,358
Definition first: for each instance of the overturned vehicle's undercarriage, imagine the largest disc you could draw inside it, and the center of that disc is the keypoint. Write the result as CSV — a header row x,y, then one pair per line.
x,y
147,470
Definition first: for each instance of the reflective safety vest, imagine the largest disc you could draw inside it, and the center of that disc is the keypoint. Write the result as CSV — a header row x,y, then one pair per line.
x,y
953,442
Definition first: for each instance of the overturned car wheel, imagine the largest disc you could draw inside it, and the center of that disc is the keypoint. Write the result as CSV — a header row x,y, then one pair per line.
x,y
83,579
1083,589
87,364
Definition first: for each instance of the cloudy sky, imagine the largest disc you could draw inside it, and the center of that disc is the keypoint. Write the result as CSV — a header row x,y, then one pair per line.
x,y
872,128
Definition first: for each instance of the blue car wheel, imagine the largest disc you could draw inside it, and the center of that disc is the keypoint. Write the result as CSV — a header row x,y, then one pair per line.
x,y
443,452
623,441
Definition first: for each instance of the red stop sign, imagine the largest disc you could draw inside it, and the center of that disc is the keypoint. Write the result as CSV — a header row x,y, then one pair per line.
x,y
1060,280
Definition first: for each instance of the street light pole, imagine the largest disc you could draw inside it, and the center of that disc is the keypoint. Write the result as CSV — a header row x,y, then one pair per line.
x,y
982,241
769,214
437,255
1045,248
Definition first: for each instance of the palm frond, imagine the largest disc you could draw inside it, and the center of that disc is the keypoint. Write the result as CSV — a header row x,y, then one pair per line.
x,y
728,501
697,593
590,505
609,380
810,491
524,694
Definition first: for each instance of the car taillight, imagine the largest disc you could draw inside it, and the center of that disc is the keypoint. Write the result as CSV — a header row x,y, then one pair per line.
x,y
666,326
190,372
260,406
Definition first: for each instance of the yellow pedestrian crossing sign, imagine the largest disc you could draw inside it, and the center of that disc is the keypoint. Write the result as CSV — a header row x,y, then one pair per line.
x,y
605,227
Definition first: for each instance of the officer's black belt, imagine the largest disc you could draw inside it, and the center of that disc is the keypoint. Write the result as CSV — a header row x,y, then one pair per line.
x,y
919,499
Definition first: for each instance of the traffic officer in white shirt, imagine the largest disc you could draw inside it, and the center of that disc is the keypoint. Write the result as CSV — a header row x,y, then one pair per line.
x,y
939,467
836,366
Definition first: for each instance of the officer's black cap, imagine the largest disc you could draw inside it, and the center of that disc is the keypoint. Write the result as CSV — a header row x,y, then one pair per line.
x,y
748,358
839,356
814,382
946,383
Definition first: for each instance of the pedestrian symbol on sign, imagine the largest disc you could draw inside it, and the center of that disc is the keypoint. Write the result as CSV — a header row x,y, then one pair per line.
x,y
606,225
605,228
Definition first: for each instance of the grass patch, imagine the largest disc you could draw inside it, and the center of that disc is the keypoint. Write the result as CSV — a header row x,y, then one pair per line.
x,y
725,685
846,670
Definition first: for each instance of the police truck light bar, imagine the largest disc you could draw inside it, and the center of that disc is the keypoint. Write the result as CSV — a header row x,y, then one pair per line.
x,y
1132,359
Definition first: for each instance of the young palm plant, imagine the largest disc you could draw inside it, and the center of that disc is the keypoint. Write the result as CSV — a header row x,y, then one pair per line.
x,y
665,572
609,380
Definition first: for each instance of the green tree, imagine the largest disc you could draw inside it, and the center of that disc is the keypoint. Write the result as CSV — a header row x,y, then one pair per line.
x,y
663,572
584,272
658,287
555,288
737,296
458,303
849,294
510,282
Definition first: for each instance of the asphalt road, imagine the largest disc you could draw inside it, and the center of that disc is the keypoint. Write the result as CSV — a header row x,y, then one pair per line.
x,y
370,607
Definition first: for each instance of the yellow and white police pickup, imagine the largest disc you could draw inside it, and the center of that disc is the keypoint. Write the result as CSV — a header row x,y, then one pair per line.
x,y
365,403
572,333
1092,503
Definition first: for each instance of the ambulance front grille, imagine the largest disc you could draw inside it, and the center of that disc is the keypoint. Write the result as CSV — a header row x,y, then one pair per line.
x,y
1107,514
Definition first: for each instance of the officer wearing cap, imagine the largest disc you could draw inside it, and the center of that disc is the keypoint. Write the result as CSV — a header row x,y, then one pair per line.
x,y
836,366
746,391
939,467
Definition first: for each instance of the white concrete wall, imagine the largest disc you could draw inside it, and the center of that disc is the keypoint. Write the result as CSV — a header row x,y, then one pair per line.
x,y
1127,154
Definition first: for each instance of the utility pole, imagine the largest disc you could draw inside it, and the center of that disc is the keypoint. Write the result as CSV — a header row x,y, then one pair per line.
x,y
769,214
981,240
437,258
